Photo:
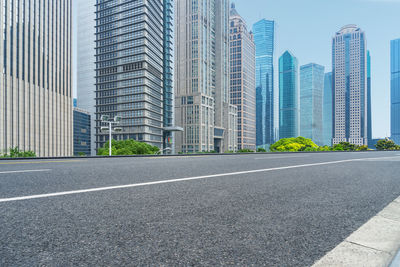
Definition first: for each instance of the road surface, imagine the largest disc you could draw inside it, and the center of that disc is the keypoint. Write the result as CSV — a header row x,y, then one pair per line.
x,y
258,209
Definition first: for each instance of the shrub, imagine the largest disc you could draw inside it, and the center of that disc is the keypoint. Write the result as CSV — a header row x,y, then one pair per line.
x,y
245,151
294,145
127,148
261,150
386,144
17,153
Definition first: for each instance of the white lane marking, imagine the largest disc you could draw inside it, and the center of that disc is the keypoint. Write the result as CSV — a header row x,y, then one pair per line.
x,y
282,157
24,171
173,180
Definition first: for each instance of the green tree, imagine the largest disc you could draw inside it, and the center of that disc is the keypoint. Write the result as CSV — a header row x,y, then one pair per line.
x,y
387,144
294,144
127,148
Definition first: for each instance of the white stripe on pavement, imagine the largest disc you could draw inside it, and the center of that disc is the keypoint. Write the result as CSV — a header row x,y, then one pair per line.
x,y
175,180
24,171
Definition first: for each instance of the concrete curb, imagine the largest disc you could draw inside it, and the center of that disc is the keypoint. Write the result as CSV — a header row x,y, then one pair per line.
x,y
376,243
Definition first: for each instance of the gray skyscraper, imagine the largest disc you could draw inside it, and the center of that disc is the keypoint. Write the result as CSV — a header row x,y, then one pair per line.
x,y
36,84
85,71
243,88
311,101
328,110
289,109
131,68
202,81
350,86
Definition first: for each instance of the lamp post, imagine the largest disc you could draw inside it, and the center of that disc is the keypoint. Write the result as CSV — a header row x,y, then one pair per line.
x,y
106,119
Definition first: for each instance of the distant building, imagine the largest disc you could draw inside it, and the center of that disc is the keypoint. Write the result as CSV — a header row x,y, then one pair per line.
x,y
395,90
369,97
289,109
82,132
350,86
202,81
242,87
264,39
36,77
133,69
311,102
85,71
327,121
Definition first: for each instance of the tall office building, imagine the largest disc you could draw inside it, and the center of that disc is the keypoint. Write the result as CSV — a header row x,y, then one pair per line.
x,y
311,102
242,87
202,81
36,84
82,132
395,90
328,110
289,110
369,101
350,86
264,38
85,71
132,77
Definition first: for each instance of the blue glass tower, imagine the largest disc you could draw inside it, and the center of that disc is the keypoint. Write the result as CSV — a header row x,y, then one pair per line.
x,y
288,96
328,110
82,134
311,101
264,39
395,89
369,104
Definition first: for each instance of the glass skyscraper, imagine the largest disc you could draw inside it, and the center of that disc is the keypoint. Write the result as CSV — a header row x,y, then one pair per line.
x,y
350,86
243,89
328,110
311,101
395,90
85,71
289,110
133,68
264,39
82,134
36,77
369,103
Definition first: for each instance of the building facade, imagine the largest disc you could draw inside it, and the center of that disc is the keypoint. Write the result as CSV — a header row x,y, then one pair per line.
x,y
82,134
130,66
264,39
327,121
202,103
242,80
311,102
289,108
85,72
395,90
36,83
369,101
350,86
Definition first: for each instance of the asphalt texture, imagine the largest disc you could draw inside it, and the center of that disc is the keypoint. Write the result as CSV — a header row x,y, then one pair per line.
x,y
282,217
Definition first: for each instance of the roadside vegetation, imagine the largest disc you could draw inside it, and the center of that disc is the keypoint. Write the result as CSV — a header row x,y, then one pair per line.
x,y
127,148
387,144
17,153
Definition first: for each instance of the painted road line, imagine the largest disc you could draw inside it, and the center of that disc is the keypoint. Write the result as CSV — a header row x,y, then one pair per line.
x,y
2,200
24,171
38,162
373,244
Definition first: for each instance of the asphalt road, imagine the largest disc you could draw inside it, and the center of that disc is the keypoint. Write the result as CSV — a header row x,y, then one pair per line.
x,y
260,209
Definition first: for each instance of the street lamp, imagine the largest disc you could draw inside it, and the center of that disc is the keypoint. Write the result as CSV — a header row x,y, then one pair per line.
x,y
109,128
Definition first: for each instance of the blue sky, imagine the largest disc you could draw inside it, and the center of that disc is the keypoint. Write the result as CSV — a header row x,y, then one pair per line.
x,y
306,27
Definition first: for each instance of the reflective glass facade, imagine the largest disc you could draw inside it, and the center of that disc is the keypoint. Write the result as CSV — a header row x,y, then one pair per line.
x,y
328,110
311,102
369,103
264,39
82,134
130,68
395,90
289,109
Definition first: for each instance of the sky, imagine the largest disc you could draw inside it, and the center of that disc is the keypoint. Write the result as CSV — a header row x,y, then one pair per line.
x,y
306,28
